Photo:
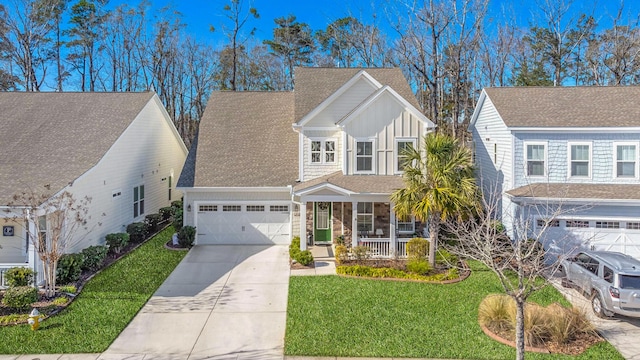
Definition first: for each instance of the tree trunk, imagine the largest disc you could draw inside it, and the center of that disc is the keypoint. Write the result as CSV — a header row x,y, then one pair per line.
x,y
519,329
434,225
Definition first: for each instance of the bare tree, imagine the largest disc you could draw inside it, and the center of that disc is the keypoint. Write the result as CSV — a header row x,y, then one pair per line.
x,y
54,225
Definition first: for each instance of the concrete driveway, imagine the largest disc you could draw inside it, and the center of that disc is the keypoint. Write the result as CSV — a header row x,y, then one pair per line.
x,y
221,302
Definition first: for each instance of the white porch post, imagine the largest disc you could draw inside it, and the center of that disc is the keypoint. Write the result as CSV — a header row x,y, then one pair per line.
x,y
354,224
392,231
32,258
303,225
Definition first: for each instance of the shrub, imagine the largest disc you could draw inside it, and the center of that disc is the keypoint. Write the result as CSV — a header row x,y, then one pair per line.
x,y
177,219
186,236
566,323
497,311
176,204
417,248
536,324
59,301
117,241
19,276
166,212
68,289
69,268
342,254
304,257
418,266
294,248
93,257
137,232
20,297
361,252
152,221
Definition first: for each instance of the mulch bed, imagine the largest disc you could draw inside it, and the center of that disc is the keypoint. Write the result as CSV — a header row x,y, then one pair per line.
x,y
298,266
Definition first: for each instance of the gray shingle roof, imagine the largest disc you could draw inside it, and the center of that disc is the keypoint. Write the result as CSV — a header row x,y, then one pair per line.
x,y
53,138
567,106
246,140
314,85
578,191
363,184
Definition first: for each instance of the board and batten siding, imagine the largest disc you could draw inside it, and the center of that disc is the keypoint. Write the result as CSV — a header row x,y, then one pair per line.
x,y
557,162
147,153
229,197
343,104
384,121
312,170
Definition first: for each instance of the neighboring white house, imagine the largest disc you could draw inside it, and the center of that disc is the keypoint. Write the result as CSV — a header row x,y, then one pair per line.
x,y
316,162
119,149
570,150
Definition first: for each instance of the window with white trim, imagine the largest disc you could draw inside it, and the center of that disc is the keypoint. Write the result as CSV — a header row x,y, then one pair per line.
x,y
402,146
138,201
364,156
365,217
323,151
535,155
626,159
406,226
580,160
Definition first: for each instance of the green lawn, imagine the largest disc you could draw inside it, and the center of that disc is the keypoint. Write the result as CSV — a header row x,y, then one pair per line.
x,y
104,308
335,316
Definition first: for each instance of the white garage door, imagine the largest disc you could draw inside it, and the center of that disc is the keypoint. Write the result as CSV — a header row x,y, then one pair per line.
x,y
566,235
254,223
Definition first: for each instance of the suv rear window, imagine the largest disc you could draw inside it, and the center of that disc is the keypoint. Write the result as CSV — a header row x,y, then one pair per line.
x,y
629,282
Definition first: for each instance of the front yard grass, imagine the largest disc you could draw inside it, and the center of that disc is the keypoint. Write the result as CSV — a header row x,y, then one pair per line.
x,y
105,306
335,316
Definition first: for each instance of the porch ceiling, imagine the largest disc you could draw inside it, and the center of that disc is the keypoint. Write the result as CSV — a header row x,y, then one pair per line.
x,y
359,184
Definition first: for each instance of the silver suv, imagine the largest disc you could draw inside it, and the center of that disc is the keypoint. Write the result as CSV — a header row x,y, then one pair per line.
x,y
610,279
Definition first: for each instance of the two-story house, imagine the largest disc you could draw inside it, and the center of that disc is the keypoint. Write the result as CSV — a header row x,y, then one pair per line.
x,y
563,159
317,162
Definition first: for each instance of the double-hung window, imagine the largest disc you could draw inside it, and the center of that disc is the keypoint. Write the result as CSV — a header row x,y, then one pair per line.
x,y
406,225
626,160
365,217
535,154
138,201
323,151
402,146
580,160
364,156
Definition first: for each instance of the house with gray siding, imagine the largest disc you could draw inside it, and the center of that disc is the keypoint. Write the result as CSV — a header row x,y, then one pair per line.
x,y
318,162
563,162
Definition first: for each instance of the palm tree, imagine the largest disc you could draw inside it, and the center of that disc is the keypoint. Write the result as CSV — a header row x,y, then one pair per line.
x,y
439,184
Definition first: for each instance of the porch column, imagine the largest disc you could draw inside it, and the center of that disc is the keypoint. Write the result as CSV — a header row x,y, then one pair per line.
x,y
392,231
32,257
303,225
354,224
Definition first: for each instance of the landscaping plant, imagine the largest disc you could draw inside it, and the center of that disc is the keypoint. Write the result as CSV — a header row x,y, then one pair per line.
x,y
117,241
137,232
69,268
93,257
19,276
186,236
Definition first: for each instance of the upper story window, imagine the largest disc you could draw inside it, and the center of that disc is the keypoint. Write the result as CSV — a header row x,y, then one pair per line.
x,y
626,159
364,156
323,151
580,160
402,145
535,155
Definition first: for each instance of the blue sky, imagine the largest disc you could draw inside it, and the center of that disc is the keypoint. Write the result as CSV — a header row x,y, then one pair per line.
x,y
199,14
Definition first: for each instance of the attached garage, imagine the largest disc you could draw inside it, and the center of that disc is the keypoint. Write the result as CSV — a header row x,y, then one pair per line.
x,y
603,234
243,223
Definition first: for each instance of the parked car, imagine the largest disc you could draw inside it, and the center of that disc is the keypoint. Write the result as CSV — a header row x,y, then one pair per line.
x,y
610,279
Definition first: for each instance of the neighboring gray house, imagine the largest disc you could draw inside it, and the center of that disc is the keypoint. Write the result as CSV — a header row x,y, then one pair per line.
x,y
321,160
567,153
119,149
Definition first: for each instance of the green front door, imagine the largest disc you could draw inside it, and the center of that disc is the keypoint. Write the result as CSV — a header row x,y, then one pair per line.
x,y
322,222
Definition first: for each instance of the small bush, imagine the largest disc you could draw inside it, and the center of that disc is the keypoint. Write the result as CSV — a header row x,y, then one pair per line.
x,y
137,232
536,324
418,248
177,219
565,324
20,297
93,257
152,221
19,276
68,289
294,248
186,236
166,212
177,204
117,241
304,257
342,254
59,301
69,268
417,266
361,252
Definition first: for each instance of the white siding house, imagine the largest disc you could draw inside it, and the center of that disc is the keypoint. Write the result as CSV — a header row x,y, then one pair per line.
x,y
566,158
109,147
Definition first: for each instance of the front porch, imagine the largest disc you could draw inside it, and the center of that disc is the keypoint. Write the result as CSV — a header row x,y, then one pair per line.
x,y
15,248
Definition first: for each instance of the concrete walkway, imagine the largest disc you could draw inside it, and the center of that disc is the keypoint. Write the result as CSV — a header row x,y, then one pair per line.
x,y
221,302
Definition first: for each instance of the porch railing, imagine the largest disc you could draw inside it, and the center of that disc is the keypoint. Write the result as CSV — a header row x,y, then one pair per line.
x,y
378,247
401,247
3,270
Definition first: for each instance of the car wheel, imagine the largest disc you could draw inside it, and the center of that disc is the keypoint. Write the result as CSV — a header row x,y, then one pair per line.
x,y
597,305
